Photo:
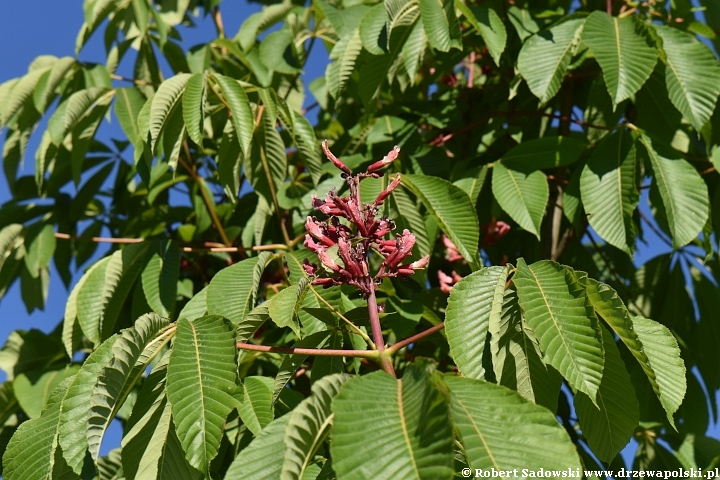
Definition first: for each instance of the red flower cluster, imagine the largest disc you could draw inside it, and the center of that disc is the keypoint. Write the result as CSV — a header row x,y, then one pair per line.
x,y
344,251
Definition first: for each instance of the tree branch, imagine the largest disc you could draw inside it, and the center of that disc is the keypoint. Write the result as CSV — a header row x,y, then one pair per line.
x,y
372,354
404,343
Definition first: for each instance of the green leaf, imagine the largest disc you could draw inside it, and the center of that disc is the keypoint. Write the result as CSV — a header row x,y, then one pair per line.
x,y
683,191
251,322
607,186
150,445
263,458
232,290
440,23
692,75
624,51
407,420
196,307
285,305
200,382
489,25
664,357
160,277
256,410
166,98
609,426
239,108
473,300
345,53
193,102
129,101
131,353
545,57
21,91
290,363
371,28
516,356
51,80
40,249
304,138
276,53
73,109
32,389
500,429
75,407
11,237
89,300
309,424
555,305
451,209
523,194
545,152
31,453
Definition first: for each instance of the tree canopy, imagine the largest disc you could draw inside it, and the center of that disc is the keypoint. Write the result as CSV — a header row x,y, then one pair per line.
x,y
435,273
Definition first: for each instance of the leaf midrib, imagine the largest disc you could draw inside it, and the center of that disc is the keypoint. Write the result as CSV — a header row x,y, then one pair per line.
x,y
555,323
403,425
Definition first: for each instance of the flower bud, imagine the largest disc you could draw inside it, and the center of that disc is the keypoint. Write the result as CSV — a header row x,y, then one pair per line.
x,y
387,160
384,194
327,261
335,161
313,227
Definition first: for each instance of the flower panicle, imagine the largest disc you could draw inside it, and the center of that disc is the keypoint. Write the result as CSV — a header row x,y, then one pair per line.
x,y
343,251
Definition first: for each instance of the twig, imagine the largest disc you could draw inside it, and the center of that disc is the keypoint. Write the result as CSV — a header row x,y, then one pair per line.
x,y
217,18
206,199
404,343
372,354
65,236
132,80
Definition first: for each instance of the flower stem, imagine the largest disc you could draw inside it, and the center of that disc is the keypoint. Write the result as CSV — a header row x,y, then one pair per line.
x,y
384,358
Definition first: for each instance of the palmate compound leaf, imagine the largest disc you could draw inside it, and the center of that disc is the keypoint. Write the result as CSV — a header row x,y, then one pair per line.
x,y
517,358
545,57
32,389
150,445
669,383
692,75
683,191
609,426
263,458
310,422
200,383
473,300
451,208
500,429
555,305
131,353
32,453
523,193
623,50
407,421
607,186
232,290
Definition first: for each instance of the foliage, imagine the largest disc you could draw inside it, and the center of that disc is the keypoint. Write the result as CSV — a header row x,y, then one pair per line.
x,y
533,147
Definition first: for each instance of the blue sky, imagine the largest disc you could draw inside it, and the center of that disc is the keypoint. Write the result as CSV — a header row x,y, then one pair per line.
x,y
41,27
